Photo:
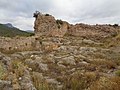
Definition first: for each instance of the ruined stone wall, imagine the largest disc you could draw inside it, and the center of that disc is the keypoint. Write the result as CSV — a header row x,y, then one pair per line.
x,y
46,25
19,43
92,31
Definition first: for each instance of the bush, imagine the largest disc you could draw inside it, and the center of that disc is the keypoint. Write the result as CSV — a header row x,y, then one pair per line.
x,y
36,14
3,72
58,26
40,83
59,22
105,83
47,15
78,81
117,72
115,25
18,68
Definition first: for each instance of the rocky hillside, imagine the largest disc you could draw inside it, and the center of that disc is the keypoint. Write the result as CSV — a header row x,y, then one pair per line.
x,y
84,57
7,30
75,64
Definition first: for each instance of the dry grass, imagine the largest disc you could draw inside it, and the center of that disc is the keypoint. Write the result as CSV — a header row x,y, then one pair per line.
x,y
115,41
40,83
105,83
79,81
2,71
106,64
18,68
117,72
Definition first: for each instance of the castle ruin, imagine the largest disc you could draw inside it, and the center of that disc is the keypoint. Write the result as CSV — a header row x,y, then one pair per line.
x,y
46,25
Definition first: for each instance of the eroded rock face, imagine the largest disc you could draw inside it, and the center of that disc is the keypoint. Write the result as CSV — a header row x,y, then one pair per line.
x,y
46,25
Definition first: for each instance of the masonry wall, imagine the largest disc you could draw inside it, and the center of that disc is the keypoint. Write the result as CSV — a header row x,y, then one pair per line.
x,y
46,25
19,43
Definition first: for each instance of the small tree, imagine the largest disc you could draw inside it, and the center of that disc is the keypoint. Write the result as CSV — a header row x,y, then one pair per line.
x,y
47,15
36,14
59,22
115,25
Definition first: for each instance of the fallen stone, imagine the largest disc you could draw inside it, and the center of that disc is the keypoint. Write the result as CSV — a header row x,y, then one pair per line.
x,y
5,85
67,61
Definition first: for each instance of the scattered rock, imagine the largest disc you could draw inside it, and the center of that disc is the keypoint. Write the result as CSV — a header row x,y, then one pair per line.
x,y
67,61
52,81
5,85
87,50
43,67
5,60
26,83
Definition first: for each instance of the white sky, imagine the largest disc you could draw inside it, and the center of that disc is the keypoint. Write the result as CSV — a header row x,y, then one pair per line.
x,y
20,12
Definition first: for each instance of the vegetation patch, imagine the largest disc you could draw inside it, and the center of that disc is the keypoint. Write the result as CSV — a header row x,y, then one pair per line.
x,y
117,72
13,32
2,71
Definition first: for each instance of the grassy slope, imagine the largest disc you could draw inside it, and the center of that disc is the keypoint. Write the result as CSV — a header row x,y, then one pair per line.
x,y
12,32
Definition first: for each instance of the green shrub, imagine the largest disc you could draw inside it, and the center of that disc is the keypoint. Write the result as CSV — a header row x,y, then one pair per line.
x,y
115,25
47,15
2,71
58,26
117,72
59,22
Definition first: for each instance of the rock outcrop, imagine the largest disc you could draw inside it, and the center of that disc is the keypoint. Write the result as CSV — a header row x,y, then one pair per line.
x,y
46,25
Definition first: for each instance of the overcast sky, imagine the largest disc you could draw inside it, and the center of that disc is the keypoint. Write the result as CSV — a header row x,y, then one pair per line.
x,y
20,12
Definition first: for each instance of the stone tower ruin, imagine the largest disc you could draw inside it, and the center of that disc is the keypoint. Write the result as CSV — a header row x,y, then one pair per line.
x,y
47,25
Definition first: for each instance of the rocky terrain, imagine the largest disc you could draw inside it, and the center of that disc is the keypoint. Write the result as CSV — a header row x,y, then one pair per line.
x,y
70,57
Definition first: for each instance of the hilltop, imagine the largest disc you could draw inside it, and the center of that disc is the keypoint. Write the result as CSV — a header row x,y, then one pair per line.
x,y
7,30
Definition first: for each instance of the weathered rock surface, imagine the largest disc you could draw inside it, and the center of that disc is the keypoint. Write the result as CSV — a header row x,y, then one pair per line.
x,y
46,25
5,60
5,85
67,61
92,31
26,82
